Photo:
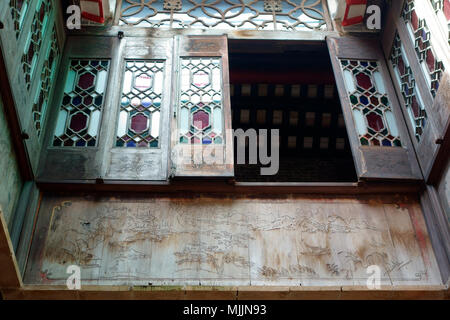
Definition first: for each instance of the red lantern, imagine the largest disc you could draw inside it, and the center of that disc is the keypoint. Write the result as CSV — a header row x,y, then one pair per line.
x,y
354,12
92,10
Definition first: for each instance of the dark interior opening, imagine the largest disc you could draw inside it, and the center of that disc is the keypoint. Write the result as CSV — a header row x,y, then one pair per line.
x,y
290,86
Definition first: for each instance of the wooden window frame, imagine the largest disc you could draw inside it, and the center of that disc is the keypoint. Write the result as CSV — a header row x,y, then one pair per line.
x,y
430,151
80,163
13,45
373,162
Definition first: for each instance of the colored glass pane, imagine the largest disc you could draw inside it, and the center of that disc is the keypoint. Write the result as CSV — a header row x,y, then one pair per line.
x,y
200,119
78,122
370,104
364,81
86,81
375,122
18,11
421,38
201,112
46,80
34,42
405,79
139,119
139,123
81,107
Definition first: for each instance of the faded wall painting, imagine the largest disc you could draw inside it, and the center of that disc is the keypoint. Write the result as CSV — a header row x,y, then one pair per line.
x,y
231,241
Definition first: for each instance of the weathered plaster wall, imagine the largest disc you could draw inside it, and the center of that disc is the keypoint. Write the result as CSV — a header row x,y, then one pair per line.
x,y
444,191
307,241
10,180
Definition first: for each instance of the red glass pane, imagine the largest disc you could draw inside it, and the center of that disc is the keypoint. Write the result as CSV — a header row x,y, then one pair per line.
x,y
447,9
375,122
30,54
430,60
87,101
201,119
414,20
78,122
374,101
139,123
42,13
86,81
364,81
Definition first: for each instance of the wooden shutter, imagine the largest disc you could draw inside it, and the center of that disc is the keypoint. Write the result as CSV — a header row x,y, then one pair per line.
x,y
421,74
202,138
78,122
31,40
377,132
138,142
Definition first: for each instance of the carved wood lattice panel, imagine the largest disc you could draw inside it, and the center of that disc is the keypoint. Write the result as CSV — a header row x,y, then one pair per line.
x,y
224,14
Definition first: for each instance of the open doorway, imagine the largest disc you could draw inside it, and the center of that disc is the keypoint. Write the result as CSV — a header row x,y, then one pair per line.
x,y
290,86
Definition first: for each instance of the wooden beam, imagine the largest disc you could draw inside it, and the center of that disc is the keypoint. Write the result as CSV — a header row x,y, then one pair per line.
x,y
228,293
9,275
231,187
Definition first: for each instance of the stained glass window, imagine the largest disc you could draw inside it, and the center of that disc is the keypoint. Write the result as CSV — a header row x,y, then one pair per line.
x,y
32,48
420,35
81,109
405,78
224,14
201,110
47,77
139,119
18,10
374,120
443,6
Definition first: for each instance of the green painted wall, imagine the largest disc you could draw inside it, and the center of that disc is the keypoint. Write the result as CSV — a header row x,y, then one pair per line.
x,y
10,180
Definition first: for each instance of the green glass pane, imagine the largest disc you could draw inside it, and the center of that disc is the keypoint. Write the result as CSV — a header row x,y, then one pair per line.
x,y
364,141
